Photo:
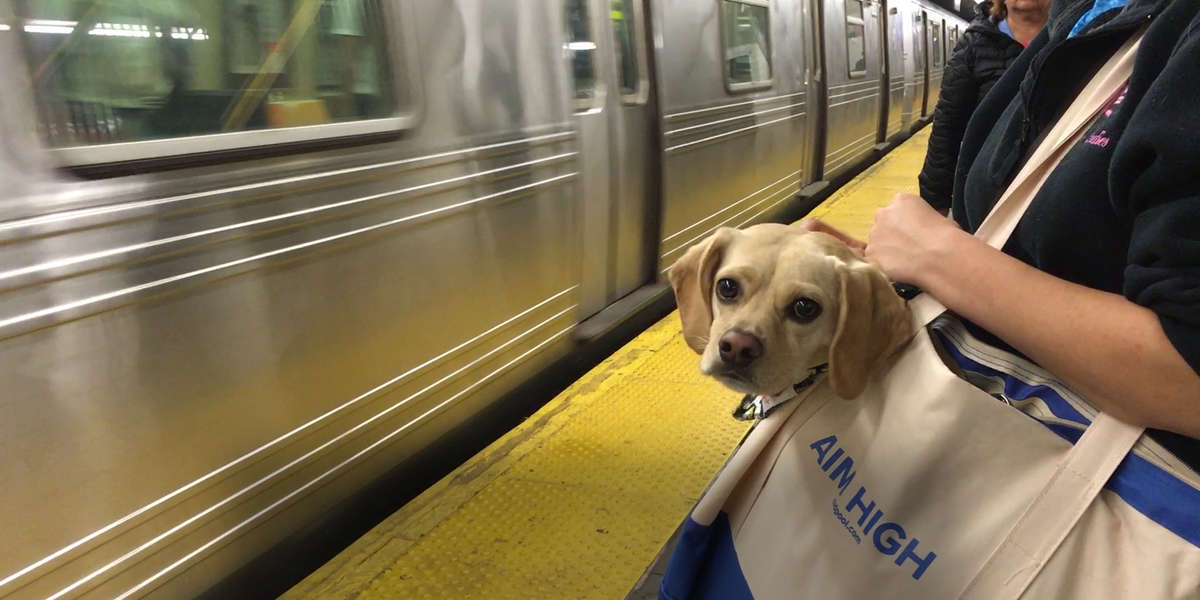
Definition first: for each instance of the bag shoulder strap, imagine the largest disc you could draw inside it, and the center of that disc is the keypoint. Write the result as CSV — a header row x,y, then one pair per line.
x,y
1041,529
1055,511
1006,213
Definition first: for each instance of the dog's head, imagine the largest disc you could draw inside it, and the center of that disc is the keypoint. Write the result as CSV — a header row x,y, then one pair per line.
x,y
765,304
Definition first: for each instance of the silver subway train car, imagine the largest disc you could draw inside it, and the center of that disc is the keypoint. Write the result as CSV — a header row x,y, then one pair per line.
x,y
254,253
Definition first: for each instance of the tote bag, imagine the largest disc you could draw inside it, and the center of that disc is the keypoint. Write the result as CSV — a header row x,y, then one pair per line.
x,y
984,479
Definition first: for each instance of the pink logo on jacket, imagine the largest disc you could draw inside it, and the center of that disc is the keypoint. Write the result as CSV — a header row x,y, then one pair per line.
x,y
1101,139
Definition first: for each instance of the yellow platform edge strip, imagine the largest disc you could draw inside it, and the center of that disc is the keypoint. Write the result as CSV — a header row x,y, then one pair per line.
x,y
579,499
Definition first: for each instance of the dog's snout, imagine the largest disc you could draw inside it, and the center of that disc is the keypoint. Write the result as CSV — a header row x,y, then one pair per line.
x,y
739,349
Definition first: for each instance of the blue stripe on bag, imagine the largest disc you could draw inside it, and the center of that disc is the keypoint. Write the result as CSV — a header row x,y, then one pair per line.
x,y
1151,491
1016,389
705,563
1145,486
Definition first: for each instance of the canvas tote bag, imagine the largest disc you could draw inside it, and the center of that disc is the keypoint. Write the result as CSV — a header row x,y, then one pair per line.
x,y
931,486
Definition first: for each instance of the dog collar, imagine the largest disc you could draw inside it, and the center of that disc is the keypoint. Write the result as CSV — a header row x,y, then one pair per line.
x,y
754,407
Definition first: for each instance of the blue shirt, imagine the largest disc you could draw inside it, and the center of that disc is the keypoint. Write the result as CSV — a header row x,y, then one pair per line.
x,y
1005,29
1099,8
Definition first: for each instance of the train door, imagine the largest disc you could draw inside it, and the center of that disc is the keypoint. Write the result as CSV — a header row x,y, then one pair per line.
x,y
587,67
923,61
853,70
899,109
634,177
735,109
937,57
815,81
885,71
614,113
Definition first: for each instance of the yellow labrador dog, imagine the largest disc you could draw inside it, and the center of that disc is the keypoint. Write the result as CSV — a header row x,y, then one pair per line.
x,y
770,304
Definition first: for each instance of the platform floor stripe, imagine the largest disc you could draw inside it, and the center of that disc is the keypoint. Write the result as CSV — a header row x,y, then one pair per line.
x,y
578,500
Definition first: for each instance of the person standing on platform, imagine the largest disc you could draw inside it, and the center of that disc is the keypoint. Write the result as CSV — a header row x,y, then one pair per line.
x,y
1000,31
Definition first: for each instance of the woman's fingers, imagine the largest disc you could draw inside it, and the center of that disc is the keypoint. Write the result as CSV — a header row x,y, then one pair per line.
x,y
820,226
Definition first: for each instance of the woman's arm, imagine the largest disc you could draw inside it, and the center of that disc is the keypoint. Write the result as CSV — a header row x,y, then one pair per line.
x,y
1111,350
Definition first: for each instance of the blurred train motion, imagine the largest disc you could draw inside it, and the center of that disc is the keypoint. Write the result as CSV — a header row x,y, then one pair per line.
x,y
256,252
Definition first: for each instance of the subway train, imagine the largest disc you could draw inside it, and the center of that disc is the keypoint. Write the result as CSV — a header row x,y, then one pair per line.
x,y
255,253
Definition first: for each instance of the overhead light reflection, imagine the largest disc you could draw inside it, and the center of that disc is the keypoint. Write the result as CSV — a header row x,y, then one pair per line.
x,y
52,23
121,30
126,30
59,29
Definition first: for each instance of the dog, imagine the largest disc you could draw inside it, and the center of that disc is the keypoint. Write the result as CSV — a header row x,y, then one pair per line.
x,y
768,305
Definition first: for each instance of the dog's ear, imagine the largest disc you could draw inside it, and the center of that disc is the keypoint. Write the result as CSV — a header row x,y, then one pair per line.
x,y
872,323
692,279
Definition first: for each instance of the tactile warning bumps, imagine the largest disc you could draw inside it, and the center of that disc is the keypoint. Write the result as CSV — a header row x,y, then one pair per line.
x,y
577,508
578,500
583,515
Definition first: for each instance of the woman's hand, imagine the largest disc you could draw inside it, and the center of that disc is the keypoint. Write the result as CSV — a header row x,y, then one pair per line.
x,y
909,238
1083,335
906,239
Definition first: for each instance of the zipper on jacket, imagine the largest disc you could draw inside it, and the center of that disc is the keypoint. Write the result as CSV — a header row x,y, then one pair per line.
x,y
1075,13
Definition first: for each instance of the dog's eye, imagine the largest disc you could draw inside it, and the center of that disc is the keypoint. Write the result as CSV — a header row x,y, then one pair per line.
x,y
727,290
805,309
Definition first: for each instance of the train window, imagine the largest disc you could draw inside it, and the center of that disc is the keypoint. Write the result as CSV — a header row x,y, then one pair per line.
x,y
129,79
745,35
624,16
936,43
582,51
918,34
856,49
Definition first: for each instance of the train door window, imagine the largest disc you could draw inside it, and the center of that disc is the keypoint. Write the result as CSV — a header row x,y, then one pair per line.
x,y
916,39
121,80
582,51
935,43
630,53
856,39
746,41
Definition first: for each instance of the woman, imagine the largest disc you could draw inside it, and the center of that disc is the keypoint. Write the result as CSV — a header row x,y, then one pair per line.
x,y
1100,282
991,43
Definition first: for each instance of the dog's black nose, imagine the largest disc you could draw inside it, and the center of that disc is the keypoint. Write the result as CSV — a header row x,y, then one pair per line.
x,y
739,349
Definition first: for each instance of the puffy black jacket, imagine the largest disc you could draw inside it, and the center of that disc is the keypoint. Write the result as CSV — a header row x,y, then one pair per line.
x,y
980,58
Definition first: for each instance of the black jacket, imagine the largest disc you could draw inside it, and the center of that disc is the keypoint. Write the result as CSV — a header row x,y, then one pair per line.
x,y
1121,212
980,58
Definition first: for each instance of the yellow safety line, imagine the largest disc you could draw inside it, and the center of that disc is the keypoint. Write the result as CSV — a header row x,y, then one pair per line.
x,y
578,500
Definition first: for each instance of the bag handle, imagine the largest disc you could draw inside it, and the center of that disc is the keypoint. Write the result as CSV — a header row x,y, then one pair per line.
x,y
1054,512
1089,464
